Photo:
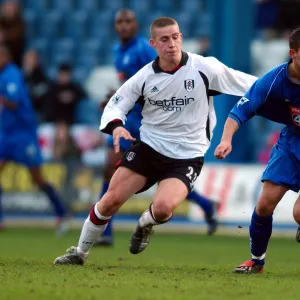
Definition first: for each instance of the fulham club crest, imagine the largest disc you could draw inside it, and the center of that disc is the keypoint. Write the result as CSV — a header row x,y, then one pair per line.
x,y
130,156
189,85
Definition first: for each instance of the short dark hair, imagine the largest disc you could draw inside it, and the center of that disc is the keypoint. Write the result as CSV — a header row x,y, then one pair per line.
x,y
160,23
65,67
294,41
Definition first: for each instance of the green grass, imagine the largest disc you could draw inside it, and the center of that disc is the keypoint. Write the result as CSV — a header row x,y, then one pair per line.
x,y
173,267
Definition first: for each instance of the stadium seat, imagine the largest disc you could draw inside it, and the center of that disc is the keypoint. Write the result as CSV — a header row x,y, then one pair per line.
x,y
100,25
201,25
30,19
60,57
88,62
192,6
66,49
51,72
112,5
87,5
140,7
166,6
36,5
80,75
75,26
87,112
62,5
49,25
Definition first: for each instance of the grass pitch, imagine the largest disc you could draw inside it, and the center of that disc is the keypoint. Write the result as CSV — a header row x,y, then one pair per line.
x,y
172,267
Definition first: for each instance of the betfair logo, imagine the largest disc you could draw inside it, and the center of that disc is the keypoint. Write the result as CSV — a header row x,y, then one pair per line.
x,y
174,104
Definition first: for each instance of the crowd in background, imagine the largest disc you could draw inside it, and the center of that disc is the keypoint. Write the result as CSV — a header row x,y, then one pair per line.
x,y
57,100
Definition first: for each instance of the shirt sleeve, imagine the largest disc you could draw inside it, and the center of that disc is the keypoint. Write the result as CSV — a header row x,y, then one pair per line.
x,y
123,100
255,97
226,80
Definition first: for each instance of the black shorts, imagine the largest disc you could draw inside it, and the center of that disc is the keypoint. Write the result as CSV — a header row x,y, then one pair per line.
x,y
156,167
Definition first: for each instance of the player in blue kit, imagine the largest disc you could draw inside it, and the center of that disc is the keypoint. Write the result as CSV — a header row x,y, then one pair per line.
x,y
131,54
18,137
275,96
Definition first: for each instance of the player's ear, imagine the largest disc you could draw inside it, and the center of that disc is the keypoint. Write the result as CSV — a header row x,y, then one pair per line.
x,y
152,43
292,53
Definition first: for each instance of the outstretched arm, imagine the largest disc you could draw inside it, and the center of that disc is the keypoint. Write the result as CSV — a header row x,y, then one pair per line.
x,y
225,146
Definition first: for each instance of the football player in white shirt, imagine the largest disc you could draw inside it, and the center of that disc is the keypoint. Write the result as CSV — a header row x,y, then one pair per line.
x,y
176,93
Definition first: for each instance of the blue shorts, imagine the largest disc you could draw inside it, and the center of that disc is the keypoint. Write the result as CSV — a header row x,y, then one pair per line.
x,y
25,151
283,169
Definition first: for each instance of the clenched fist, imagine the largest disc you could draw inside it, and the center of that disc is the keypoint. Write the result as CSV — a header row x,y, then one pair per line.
x,y
223,149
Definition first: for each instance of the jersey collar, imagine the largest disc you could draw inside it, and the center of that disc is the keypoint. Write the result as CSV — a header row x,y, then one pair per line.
x,y
158,69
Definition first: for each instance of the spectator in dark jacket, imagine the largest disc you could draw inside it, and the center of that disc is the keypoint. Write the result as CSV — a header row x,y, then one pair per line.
x,y
35,79
62,97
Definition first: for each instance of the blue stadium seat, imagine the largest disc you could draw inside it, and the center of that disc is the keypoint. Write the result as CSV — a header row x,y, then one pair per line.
x,y
87,112
62,5
36,5
100,25
87,5
91,50
192,6
30,18
75,26
201,25
140,7
112,5
51,72
88,62
166,6
49,25
66,49
59,57
80,75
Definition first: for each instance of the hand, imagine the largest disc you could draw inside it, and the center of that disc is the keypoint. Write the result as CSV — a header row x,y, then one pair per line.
x,y
223,149
121,132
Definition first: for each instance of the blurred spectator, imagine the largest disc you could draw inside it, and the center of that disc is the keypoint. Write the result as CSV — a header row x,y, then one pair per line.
x,y
65,147
62,97
204,46
13,29
265,154
35,78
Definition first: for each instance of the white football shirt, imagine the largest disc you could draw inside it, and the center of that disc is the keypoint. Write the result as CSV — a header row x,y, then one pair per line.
x,y
178,111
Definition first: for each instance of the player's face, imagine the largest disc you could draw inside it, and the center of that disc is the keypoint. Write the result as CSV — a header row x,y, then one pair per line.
x,y
167,42
126,26
64,77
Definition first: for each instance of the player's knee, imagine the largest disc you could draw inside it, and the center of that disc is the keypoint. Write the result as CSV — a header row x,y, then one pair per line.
x,y
264,207
110,203
162,210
